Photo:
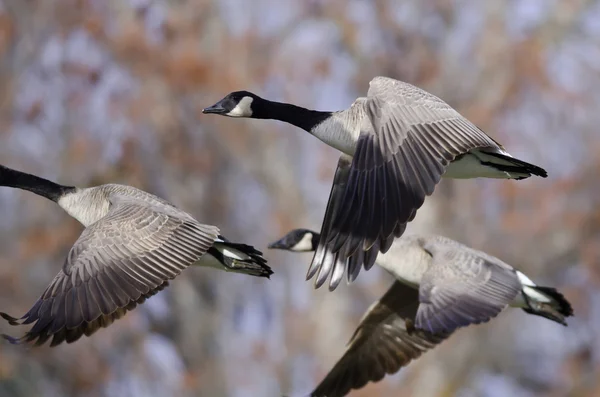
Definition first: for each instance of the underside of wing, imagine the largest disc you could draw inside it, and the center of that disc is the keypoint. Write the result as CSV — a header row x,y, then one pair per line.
x,y
381,345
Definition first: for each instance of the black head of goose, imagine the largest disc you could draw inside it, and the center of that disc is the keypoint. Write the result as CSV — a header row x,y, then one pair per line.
x,y
396,143
441,285
132,245
298,240
245,104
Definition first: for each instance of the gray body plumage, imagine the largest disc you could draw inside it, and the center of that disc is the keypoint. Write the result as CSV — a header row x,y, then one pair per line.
x,y
133,244
441,285
457,285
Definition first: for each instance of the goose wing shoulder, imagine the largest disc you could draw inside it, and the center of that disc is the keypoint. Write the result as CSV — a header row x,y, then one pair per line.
x,y
116,263
380,345
462,287
408,138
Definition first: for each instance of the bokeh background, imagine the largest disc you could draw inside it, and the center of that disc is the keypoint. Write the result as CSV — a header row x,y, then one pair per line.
x,y
96,91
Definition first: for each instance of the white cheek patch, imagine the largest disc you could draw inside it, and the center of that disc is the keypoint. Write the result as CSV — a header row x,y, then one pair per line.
x,y
305,244
242,109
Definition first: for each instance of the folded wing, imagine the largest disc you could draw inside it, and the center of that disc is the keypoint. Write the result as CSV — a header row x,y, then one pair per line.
x,y
462,288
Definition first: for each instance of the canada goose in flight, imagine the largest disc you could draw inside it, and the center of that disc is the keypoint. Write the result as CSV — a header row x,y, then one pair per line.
x,y
441,286
396,144
132,245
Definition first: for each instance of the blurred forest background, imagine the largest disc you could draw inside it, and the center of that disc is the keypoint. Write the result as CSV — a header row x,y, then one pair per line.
x,y
96,91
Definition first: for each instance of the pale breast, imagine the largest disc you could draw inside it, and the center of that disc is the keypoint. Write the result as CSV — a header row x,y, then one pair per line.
x,y
87,205
341,130
406,262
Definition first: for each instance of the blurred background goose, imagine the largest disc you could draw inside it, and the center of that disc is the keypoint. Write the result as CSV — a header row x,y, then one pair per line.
x,y
133,244
396,144
441,285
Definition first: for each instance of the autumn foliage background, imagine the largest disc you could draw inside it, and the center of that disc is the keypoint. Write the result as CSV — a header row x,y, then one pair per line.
x,y
112,91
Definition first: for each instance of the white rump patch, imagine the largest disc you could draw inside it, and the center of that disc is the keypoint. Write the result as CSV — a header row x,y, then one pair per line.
x,y
536,295
523,279
470,166
532,293
230,253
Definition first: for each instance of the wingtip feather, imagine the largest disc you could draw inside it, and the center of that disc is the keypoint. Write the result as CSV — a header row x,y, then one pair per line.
x,y
11,320
12,340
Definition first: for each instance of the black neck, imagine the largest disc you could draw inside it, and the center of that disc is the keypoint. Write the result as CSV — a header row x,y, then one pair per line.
x,y
40,186
292,114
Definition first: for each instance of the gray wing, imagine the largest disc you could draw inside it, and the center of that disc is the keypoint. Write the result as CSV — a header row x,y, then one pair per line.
x,y
406,143
462,287
116,263
380,345
86,328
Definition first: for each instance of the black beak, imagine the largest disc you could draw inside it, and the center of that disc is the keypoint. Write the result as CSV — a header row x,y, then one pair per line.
x,y
279,244
217,108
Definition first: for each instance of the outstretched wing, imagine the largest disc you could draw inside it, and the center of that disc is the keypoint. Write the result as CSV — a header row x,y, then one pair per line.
x,y
380,345
403,150
116,263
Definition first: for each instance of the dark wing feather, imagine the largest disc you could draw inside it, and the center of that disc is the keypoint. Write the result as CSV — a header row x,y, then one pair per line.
x,y
116,263
463,288
380,345
325,260
87,328
407,142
